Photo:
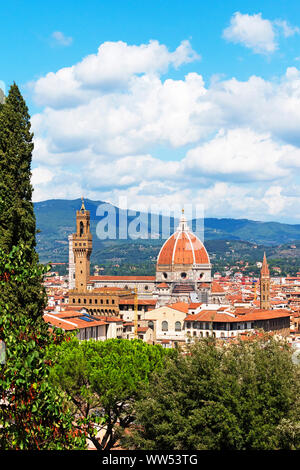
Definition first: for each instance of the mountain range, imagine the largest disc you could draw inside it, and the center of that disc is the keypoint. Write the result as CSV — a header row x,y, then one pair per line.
x,y
56,220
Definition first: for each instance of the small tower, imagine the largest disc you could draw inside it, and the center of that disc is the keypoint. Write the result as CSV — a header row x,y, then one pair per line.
x,y
265,285
82,248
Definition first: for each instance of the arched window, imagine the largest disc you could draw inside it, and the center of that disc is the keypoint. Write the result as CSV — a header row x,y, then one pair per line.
x,y
151,324
177,326
81,228
164,326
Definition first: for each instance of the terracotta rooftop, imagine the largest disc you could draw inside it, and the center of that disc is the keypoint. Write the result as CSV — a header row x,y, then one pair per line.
x,y
252,315
181,306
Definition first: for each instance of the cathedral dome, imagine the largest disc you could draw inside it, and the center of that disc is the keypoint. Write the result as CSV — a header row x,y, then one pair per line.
x,y
182,248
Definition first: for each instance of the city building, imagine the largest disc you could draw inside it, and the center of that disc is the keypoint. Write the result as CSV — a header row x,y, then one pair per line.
x,y
183,270
180,304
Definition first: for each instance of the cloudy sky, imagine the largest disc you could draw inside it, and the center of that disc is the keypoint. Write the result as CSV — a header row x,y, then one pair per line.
x,y
161,102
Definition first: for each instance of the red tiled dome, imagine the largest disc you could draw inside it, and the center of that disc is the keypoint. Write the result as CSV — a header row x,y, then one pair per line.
x,y
183,247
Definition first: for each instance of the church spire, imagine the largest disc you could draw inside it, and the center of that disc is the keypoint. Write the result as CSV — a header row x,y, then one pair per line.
x,y
265,269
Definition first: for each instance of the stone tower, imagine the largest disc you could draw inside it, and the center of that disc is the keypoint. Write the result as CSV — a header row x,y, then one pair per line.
x,y
265,285
82,248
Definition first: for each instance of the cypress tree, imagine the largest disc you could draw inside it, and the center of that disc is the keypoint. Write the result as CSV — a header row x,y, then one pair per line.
x,y
32,414
17,219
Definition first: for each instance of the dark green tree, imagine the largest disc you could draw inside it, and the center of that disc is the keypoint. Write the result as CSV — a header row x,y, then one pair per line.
x,y
31,411
239,397
101,379
17,219
32,414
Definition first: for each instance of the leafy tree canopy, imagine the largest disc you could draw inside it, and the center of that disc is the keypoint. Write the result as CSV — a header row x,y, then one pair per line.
x,y
241,397
102,378
32,416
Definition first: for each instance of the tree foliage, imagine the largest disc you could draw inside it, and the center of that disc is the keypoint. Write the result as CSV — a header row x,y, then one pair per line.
x,y
101,380
240,397
32,415
31,412
17,219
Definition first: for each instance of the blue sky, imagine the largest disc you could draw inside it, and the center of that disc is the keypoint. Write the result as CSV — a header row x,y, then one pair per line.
x,y
162,102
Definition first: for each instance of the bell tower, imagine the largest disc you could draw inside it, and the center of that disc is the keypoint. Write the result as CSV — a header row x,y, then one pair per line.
x,y
82,248
265,285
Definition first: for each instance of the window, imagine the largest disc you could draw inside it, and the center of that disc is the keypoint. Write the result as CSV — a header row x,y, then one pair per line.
x,y
146,287
178,326
183,275
151,325
164,326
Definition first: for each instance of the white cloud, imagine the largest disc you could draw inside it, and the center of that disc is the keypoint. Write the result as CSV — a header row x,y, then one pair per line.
x,y
110,70
239,154
274,200
256,33
252,31
287,29
61,39
41,175
107,134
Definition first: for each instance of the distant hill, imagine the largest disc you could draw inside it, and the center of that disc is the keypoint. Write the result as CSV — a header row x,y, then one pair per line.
x,y
56,220
268,233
